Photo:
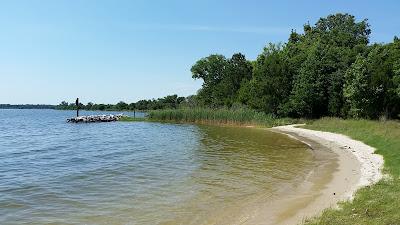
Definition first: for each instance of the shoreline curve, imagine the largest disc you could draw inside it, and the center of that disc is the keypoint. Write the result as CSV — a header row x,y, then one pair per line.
x,y
346,179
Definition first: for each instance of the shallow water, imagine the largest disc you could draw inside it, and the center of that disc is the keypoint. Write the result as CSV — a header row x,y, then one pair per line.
x,y
52,172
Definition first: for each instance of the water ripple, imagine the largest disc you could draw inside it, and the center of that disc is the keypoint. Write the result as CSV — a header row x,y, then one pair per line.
x,y
52,172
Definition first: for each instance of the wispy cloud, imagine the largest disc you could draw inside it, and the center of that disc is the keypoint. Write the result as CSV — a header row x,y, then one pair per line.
x,y
205,28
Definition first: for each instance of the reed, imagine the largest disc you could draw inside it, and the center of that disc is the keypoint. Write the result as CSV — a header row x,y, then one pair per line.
x,y
240,116
131,119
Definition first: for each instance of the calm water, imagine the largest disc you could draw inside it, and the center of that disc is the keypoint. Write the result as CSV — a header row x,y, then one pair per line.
x,y
52,172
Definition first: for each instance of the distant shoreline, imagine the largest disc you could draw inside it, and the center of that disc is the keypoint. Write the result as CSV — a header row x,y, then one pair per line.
x,y
51,107
27,106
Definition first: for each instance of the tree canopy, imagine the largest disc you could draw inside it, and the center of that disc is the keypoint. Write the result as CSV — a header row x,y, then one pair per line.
x,y
328,70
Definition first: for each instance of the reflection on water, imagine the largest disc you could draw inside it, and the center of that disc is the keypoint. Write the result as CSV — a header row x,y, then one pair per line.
x,y
52,172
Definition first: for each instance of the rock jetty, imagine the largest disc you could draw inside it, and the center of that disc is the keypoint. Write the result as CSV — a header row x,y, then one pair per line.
x,y
95,118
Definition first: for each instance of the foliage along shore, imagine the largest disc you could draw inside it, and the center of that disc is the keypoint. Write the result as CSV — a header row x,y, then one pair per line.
x,y
222,116
328,69
167,102
27,106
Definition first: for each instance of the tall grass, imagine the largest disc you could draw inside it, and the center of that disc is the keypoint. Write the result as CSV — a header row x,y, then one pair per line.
x,y
240,116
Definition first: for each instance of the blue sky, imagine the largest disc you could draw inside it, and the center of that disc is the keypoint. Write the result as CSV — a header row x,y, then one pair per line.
x,y
107,51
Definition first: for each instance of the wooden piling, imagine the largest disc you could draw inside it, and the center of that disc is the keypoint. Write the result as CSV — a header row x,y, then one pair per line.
x,y
77,107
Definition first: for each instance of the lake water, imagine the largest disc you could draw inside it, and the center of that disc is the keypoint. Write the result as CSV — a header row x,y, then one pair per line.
x,y
52,172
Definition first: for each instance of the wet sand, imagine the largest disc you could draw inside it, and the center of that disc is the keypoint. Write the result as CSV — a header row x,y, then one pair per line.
x,y
345,165
342,165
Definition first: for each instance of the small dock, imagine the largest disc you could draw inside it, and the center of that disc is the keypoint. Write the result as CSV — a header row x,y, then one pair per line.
x,y
95,118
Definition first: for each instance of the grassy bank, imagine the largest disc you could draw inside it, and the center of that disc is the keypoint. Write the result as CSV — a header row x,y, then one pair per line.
x,y
240,116
380,203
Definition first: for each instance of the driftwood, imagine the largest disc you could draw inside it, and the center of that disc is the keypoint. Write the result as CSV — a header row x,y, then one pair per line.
x,y
94,118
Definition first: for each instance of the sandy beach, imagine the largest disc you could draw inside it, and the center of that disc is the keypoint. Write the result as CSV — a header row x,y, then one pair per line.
x,y
355,166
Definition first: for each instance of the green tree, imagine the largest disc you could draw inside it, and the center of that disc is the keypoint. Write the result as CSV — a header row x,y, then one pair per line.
x,y
170,101
239,70
221,77
396,78
211,70
132,106
121,106
327,50
89,106
370,88
271,82
356,90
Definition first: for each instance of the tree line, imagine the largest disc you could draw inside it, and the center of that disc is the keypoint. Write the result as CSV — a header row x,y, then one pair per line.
x,y
26,106
330,69
168,102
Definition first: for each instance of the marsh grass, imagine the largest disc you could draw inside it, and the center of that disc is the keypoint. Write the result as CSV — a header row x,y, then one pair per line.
x,y
131,119
378,204
241,116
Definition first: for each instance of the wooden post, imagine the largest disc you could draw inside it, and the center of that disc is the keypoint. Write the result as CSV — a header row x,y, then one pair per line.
x,y
134,110
77,107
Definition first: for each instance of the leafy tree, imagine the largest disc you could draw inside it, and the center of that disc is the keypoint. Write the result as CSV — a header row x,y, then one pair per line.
x,y
330,48
356,90
211,70
132,106
396,78
371,83
89,106
221,78
121,106
395,57
239,70
191,101
271,82
101,107
170,101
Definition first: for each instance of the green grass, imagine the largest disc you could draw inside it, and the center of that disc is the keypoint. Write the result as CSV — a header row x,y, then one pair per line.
x,y
378,204
240,116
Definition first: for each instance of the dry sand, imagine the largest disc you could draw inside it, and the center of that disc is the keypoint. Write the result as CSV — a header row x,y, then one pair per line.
x,y
355,166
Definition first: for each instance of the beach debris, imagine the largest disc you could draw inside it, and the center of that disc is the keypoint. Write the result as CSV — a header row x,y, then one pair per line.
x,y
346,147
95,118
